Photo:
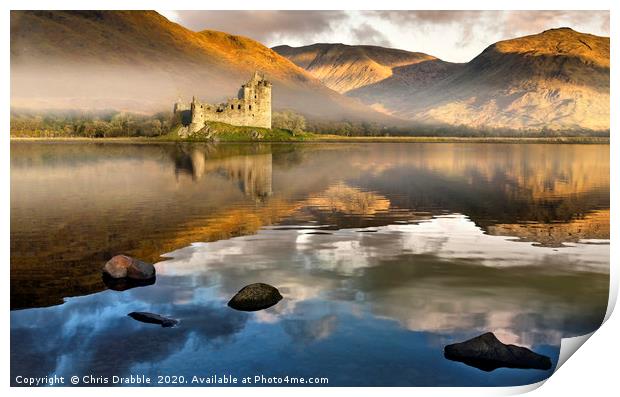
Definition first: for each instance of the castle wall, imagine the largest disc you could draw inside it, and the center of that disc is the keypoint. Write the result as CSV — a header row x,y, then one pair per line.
x,y
252,107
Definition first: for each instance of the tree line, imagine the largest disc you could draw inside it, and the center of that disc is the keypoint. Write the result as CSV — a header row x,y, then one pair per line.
x,y
102,124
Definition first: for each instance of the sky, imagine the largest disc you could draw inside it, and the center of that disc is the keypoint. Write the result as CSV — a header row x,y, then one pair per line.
x,y
456,36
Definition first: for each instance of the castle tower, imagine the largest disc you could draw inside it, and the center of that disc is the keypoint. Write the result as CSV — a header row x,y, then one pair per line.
x,y
257,96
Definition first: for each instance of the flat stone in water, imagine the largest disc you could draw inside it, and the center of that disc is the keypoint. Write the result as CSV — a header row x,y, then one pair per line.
x,y
152,318
254,297
487,353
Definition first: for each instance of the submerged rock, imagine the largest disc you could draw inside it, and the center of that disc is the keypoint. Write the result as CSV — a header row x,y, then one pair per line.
x,y
487,353
123,266
152,318
123,284
254,297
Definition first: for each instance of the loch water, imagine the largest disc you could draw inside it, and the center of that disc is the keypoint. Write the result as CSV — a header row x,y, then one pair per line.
x,y
384,253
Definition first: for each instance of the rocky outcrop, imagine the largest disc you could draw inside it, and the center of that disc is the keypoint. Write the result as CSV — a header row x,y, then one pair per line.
x,y
152,318
254,297
122,266
487,353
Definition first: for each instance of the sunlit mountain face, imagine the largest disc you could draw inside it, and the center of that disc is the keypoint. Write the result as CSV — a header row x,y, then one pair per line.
x,y
557,79
381,251
144,63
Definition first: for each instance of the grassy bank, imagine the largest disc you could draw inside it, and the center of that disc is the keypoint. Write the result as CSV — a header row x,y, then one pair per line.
x,y
320,138
215,131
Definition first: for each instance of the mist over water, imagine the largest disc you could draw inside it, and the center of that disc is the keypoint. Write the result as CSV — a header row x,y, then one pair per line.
x,y
384,253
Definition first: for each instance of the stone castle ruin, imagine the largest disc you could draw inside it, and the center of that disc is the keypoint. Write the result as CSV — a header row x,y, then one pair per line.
x,y
251,108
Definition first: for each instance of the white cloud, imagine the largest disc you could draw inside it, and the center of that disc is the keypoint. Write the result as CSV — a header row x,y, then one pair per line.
x,y
453,35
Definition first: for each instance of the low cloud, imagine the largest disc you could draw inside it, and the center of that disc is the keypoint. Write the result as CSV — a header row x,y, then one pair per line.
x,y
366,34
452,35
264,26
508,24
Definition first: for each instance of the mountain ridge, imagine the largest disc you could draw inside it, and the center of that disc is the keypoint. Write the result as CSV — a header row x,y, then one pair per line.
x,y
343,67
139,60
557,79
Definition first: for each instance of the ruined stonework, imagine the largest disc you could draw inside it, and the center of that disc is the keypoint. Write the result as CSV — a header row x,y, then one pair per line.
x,y
252,108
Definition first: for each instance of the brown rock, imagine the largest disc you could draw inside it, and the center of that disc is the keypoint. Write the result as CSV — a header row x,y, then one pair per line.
x,y
122,266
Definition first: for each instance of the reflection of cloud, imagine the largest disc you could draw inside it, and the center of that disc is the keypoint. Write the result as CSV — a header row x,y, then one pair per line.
x,y
443,277
96,333
307,330
436,276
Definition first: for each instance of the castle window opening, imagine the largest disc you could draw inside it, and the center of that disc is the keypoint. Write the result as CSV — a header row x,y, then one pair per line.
x,y
232,106
250,107
238,106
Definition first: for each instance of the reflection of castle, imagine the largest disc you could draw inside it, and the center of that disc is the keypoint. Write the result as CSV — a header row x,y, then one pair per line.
x,y
253,173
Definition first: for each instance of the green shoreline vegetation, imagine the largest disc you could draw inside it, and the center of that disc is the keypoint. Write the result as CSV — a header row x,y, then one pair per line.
x,y
287,127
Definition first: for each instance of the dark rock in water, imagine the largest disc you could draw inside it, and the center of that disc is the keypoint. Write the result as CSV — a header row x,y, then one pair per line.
x,y
123,266
487,353
123,284
254,297
153,318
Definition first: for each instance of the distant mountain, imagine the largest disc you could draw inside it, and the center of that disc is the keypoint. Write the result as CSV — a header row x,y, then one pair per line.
x,y
346,67
558,79
394,92
140,61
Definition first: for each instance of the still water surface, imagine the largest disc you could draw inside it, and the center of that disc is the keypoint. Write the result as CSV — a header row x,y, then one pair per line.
x,y
384,253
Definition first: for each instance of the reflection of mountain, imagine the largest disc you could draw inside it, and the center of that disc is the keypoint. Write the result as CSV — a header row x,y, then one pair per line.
x,y
93,201
594,225
140,208
349,201
144,61
392,297
492,184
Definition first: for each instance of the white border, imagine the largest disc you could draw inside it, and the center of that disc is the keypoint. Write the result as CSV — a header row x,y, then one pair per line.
x,y
593,370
